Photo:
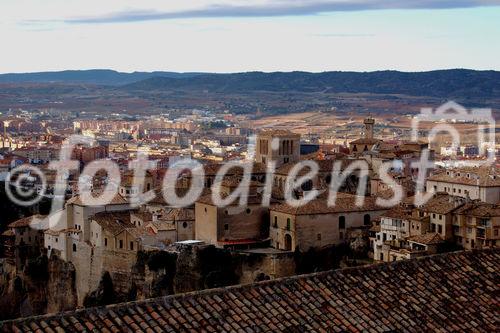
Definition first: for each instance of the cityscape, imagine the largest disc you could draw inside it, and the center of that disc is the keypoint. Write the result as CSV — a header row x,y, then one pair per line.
x,y
306,198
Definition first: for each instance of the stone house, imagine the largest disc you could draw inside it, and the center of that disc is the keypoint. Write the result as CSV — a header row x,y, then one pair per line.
x,y
27,238
233,225
477,225
440,210
316,225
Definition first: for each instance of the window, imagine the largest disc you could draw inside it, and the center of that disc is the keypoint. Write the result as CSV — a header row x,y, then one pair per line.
x,y
121,244
440,228
433,216
74,247
205,209
105,242
57,239
226,226
382,257
341,222
440,216
275,225
384,237
131,246
248,211
318,237
367,219
288,224
184,225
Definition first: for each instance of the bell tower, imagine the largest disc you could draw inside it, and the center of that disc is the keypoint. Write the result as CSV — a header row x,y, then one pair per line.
x,y
369,123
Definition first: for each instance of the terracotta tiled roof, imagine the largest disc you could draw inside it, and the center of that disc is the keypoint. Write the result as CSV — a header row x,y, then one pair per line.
x,y
365,141
180,191
449,292
163,225
25,221
428,238
117,200
143,215
398,212
235,181
139,232
179,214
113,222
344,203
442,203
479,209
483,176
8,233
251,199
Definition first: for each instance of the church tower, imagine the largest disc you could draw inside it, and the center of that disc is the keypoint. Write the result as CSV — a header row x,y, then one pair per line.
x,y
369,123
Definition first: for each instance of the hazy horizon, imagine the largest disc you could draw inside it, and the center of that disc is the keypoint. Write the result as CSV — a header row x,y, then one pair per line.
x,y
257,71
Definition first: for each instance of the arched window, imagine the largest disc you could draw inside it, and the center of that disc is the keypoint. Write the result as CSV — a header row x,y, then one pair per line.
x,y
288,224
341,222
366,219
275,225
74,247
288,242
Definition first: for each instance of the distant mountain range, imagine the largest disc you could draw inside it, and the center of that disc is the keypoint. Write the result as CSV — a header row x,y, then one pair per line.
x,y
91,76
461,83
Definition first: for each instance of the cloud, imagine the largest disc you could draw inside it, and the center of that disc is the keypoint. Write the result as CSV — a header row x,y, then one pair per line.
x,y
280,8
337,35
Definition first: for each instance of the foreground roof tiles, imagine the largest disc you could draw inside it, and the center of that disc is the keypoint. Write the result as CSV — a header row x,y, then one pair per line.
x,y
449,292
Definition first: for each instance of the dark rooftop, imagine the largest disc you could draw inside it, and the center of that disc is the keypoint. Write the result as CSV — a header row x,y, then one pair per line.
x,y
448,292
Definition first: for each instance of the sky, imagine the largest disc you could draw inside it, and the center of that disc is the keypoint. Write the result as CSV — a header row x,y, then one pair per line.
x,y
249,35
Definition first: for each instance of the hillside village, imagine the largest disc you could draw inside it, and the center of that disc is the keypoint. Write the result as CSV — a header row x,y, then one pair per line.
x,y
462,213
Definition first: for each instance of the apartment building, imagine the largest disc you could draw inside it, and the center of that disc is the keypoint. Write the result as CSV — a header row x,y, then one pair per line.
x,y
476,183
